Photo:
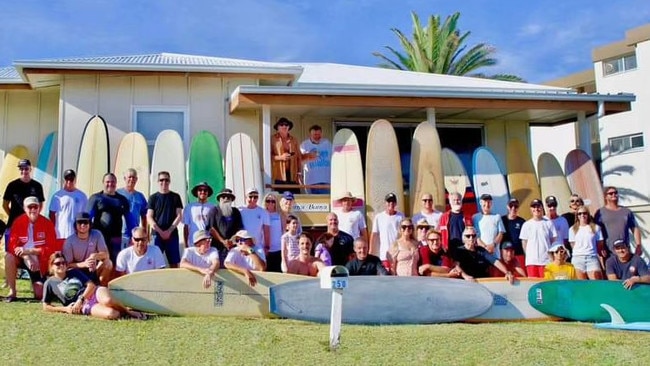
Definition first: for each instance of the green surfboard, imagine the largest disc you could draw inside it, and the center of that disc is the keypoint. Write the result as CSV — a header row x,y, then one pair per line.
x,y
580,300
205,164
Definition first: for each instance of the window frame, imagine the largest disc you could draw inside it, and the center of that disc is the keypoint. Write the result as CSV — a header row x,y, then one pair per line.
x,y
623,139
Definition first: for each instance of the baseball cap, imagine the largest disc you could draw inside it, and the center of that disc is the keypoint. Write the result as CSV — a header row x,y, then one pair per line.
x,y
69,174
551,201
507,245
287,195
252,191
200,235
31,200
82,216
486,197
620,243
391,197
24,163
513,202
536,202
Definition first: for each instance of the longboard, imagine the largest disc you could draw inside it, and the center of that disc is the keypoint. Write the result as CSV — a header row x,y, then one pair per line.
x,y
133,153
552,181
426,174
347,171
489,179
456,178
584,180
94,157
46,169
243,167
168,155
9,170
180,292
384,300
522,179
618,323
580,300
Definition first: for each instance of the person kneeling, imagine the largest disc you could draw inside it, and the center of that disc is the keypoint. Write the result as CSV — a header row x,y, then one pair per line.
x,y
559,269
305,264
202,258
245,257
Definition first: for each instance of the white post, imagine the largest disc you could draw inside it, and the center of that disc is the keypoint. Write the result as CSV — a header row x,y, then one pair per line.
x,y
335,319
584,133
266,145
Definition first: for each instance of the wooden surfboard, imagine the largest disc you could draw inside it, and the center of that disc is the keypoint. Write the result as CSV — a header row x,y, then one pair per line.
x,y
522,179
180,292
46,169
383,169
94,157
133,153
584,180
553,182
488,179
347,171
412,300
426,174
168,155
243,169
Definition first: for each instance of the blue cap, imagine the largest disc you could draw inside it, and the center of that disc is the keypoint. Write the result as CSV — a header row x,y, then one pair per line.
x,y
287,195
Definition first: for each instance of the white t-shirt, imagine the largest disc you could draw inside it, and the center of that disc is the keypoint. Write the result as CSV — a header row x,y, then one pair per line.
x,y
585,241
540,235
275,221
129,262
195,217
351,222
317,171
388,228
432,218
236,257
201,260
67,205
488,227
254,220
562,228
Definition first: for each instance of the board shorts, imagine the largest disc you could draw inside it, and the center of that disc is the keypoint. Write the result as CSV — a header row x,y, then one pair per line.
x,y
535,271
89,304
34,276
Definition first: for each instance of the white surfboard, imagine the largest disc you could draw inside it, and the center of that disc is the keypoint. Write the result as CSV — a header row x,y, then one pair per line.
x,y
456,178
426,174
488,178
169,155
347,171
133,153
94,156
242,167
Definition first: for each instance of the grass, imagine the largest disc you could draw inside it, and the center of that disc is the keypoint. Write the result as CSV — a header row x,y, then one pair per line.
x,y
31,336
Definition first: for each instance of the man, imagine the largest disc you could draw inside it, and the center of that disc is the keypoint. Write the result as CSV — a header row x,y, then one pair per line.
x,y
256,220
385,227
574,203
452,224
560,223
165,212
351,221
433,260
224,221
489,226
509,260
475,261
195,214
139,256
17,190
286,208
617,221
513,223
65,205
245,257
316,158
305,264
137,215
428,212
86,250
107,209
286,159
365,264
537,235
32,240
201,258
626,267
343,244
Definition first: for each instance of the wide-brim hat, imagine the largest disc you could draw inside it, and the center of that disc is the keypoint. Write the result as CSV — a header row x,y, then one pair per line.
x,y
283,120
347,196
226,192
195,190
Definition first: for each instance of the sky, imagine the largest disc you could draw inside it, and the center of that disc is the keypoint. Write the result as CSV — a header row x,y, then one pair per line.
x,y
537,40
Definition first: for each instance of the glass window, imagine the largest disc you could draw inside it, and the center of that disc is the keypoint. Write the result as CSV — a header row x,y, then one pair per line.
x,y
619,64
630,62
624,144
151,122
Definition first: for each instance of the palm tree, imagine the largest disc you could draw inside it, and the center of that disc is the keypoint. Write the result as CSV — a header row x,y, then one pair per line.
x,y
438,48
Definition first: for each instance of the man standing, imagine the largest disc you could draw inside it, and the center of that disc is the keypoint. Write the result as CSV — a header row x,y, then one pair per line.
x,y
256,220
626,267
560,223
617,221
428,212
489,226
139,256
452,224
385,227
164,212
351,221
574,203
86,250
137,204
537,235
224,221
17,190
195,214
513,223
286,159
343,244
106,209
65,205
316,158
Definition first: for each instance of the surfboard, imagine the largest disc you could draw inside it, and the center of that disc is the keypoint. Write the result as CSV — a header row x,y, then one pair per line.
x,y
168,155
384,300
347,171
426,174
180,292
488,178
9,171
553,182
456,179
583,179
522,179
206,164
46,169
133,153
383,170
510,302
94,157
618,323
243,167
580,300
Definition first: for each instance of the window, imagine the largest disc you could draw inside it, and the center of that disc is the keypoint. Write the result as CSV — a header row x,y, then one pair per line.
x,y
150,121
620,64
623,144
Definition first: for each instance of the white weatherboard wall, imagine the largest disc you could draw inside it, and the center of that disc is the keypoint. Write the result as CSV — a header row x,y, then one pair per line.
x,y
557,140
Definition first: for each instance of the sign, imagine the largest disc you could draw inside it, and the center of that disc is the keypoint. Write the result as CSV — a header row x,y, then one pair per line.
x,y
340,283
311,207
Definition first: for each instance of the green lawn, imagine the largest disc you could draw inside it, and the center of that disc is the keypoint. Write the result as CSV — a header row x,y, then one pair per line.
x,y
30,336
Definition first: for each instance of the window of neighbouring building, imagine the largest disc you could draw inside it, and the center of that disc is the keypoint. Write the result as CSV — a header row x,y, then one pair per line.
x,y
619,64
150,121
627,143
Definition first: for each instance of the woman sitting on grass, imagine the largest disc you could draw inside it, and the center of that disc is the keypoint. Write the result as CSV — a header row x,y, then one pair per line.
x,y
78,294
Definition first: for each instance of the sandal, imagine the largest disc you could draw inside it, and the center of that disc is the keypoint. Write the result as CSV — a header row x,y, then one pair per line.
x,y
9,299
137,315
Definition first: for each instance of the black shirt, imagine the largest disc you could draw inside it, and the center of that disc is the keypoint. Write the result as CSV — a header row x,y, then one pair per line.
x,y
570,217
342,248
16,192
225,226
475,263
371,266
107,212
513,229
164,206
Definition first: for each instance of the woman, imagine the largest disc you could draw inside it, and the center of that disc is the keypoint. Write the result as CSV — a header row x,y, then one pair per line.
x,y
79,295
586,239
403,254
559,269
274,256
322,250
305,264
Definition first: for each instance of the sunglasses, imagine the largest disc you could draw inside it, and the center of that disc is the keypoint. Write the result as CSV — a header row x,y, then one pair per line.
x,y
552,206
574,201
32,207
612,193
83,222
470,236
161,180
270,201
283,124
139,240
423,227
241,240
427,200
253,197
433,240
583,213
406,227
59,263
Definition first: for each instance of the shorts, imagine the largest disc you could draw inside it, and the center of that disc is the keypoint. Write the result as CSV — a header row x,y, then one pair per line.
x,y
114,247
586,263
91,275
35,277
535,271
7,233
169,247
89,304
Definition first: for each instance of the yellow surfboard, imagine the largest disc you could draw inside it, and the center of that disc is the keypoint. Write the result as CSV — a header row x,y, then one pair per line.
x,y
9,170
94,156
133,153
426,174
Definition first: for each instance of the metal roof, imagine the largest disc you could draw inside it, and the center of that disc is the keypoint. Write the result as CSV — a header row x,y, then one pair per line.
x,y
9,75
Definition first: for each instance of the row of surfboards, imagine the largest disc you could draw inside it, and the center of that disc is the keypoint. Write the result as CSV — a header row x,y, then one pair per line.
x,y
384,300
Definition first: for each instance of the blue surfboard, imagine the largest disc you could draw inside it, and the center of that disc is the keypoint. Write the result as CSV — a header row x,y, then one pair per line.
x,y
618,323
46,169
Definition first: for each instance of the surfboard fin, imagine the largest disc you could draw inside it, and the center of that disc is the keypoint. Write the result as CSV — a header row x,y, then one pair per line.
x,y
616,317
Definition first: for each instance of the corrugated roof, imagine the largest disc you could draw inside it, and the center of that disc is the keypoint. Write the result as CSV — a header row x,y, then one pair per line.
x,y
9,75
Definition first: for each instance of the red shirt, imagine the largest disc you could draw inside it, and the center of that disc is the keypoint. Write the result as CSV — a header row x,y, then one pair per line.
x,y
44,237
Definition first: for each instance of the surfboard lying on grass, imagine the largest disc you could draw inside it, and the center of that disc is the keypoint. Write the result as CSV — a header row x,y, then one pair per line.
x,y
618,323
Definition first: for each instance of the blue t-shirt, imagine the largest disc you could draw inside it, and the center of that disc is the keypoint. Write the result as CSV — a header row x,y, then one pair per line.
x,y
137,209
623,271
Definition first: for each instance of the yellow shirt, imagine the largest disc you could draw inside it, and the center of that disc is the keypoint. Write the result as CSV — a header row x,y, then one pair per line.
x,y
564,271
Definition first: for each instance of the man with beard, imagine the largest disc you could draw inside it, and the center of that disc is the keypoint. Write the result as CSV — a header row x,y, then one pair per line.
x,y
224,221
452,224
617,221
